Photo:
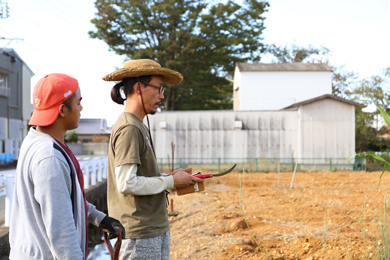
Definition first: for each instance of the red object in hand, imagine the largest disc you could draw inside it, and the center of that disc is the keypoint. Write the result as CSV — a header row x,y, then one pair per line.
x,y
204,176
114,252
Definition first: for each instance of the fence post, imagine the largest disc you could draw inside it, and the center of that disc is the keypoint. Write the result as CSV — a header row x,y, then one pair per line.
x,y
100,170
219,164
105,169
257,164
330,164
93,181
293,164
365,165
278,172
180,163
8,199
86,175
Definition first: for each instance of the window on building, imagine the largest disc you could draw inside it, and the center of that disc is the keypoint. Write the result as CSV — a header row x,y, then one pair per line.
x,y
4,89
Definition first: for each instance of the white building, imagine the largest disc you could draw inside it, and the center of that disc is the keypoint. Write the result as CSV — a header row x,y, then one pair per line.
x,y
260,86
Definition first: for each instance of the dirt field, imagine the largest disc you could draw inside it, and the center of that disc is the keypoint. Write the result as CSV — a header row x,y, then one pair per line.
x,y
319,218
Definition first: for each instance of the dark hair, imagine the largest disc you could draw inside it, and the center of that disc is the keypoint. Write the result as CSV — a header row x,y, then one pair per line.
x,y
68,102
127,84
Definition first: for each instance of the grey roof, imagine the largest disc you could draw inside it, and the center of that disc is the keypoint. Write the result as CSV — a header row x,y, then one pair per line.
x,y
7,50
323,97
283,67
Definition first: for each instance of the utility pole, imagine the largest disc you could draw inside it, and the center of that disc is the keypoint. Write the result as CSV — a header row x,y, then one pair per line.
x,y
4,10
10,40
4,13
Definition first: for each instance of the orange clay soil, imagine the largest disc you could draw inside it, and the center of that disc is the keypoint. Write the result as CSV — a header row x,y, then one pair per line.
x,y
285,222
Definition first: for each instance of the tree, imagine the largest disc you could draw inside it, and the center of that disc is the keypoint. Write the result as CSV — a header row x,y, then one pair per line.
x,y
376,90
201,40
366,138
72,137
343,82
293,53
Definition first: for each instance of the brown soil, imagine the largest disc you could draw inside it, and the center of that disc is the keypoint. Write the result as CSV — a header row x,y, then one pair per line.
x,y
319,217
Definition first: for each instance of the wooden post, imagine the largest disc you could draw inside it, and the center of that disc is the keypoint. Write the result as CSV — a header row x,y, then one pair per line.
x,y
292,180
292,161
173,157
278,172
169,165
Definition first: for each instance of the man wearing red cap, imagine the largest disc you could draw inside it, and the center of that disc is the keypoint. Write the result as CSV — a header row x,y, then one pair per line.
x,y
49,213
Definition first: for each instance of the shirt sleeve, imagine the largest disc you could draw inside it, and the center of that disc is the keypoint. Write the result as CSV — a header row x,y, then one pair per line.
x,y
52,191
128,142
94,216
129,183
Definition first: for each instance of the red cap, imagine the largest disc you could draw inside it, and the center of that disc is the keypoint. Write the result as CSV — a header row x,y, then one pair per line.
x,y
49,93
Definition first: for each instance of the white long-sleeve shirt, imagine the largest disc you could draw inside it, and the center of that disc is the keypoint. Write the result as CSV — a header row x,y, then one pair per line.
x,y
128,182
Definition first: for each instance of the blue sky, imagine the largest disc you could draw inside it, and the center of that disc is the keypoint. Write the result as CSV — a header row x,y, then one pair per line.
x,y
56,40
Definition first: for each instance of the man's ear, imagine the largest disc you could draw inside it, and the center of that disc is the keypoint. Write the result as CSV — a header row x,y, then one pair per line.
x,y
61,112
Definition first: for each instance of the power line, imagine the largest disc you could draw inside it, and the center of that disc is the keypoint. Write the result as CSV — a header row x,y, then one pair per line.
x,y
23,17
32,47
62,12
8,33
15,38
10,40
72,10
51,11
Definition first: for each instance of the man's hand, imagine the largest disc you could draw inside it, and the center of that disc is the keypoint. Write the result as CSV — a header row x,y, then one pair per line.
x,y
182,178
109,225
187,170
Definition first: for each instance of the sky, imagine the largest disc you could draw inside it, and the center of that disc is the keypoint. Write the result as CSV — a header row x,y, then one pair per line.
x,y
56,40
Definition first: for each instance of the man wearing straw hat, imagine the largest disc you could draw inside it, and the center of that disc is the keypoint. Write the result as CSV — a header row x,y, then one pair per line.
x,y
49,212
136,190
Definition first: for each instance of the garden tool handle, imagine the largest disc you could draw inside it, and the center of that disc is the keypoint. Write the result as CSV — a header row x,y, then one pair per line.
x,y
114,252
204,176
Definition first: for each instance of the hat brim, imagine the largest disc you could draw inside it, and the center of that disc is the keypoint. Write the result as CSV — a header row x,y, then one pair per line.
x,y
169,76
44,117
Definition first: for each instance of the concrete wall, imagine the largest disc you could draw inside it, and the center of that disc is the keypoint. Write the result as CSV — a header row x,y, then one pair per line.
x,y
274,90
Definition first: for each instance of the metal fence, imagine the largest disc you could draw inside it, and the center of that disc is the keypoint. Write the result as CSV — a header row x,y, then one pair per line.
x,y
94,171
265,164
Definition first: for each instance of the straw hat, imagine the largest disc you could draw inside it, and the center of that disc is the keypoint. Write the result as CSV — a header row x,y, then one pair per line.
x,y
144,67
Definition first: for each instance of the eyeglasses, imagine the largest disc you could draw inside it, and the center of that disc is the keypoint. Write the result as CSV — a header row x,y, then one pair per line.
x,y
161,88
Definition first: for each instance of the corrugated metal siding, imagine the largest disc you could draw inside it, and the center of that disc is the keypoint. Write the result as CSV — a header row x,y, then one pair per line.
x,y
328,130
211,134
